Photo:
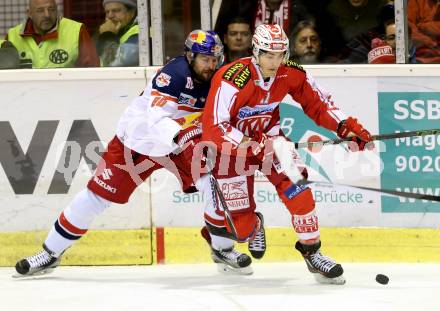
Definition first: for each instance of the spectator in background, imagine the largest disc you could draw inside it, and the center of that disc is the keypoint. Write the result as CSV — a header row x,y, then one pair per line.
x,y
424,22
286,13
357,49
48,41
381,53
9,58
306,44
273,12
237,39
390,34
118,41
351,19
383,50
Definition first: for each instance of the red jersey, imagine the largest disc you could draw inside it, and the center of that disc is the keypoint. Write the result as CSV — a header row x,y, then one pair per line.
x,y
241,103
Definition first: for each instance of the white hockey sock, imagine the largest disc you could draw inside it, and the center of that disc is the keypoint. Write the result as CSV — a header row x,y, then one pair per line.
x,y
75,220
218,242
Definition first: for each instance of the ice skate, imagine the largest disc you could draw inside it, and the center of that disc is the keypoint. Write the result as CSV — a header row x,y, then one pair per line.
x,y
230,261
257,246
41,263
324,269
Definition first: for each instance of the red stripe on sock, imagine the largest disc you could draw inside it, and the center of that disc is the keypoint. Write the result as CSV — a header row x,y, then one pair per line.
x,y
68,226
160,245
215,222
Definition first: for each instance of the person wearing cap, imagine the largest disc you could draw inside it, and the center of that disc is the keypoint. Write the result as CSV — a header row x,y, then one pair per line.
x,y
49,41
118,40
381,53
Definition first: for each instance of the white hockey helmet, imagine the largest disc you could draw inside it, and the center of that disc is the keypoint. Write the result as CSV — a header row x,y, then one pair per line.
x,y
270,38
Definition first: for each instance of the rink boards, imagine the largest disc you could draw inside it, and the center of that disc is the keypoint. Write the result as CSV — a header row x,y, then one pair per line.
x,y
42,109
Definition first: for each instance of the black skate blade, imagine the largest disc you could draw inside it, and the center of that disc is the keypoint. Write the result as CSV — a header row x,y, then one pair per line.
x,y
226,269
340,280
35,274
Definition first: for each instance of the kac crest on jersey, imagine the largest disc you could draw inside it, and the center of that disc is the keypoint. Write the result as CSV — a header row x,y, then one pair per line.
x,y
253,124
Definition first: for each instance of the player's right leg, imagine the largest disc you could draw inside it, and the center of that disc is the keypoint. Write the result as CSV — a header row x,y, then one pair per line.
x,y
110,183
70,226
227,258
223,252
300,203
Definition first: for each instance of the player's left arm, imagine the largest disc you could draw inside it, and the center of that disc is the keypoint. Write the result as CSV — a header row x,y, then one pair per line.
x,y
319,106
216,119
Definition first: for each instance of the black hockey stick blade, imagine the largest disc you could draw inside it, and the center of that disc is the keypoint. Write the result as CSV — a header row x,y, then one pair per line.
x,y
410,195
374,137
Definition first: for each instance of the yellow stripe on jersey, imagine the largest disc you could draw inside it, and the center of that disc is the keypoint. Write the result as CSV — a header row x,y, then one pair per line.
x,y
188,120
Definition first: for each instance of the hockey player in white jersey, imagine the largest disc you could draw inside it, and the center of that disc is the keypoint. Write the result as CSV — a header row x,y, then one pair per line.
x,y
151,132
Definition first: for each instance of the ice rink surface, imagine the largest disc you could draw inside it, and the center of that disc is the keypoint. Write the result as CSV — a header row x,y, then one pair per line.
x,y
272,287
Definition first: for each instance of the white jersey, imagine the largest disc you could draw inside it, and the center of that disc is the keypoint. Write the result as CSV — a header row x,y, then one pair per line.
x,y
148,124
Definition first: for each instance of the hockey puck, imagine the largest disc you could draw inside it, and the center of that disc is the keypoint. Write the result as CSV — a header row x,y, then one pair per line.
x,y
382,279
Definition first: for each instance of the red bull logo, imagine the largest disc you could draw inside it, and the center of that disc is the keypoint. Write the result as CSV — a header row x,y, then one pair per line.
x,y
198,37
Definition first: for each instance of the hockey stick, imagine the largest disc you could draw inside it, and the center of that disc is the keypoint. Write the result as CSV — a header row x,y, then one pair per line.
x,y
219,194
410,195
374,137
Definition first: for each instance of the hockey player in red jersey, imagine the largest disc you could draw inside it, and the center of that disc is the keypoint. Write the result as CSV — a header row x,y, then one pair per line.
x,y
152,133
241,118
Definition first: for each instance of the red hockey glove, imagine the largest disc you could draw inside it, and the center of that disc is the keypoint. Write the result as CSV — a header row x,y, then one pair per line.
x,y
262,146
186,137
350,127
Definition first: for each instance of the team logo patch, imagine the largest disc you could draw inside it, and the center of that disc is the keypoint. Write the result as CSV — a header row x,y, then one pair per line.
x,y
107,174
103,185
243,77
246,111
235,192
294,190
198,37
292,64
163,80
59,56
232,70
253,124
188,100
